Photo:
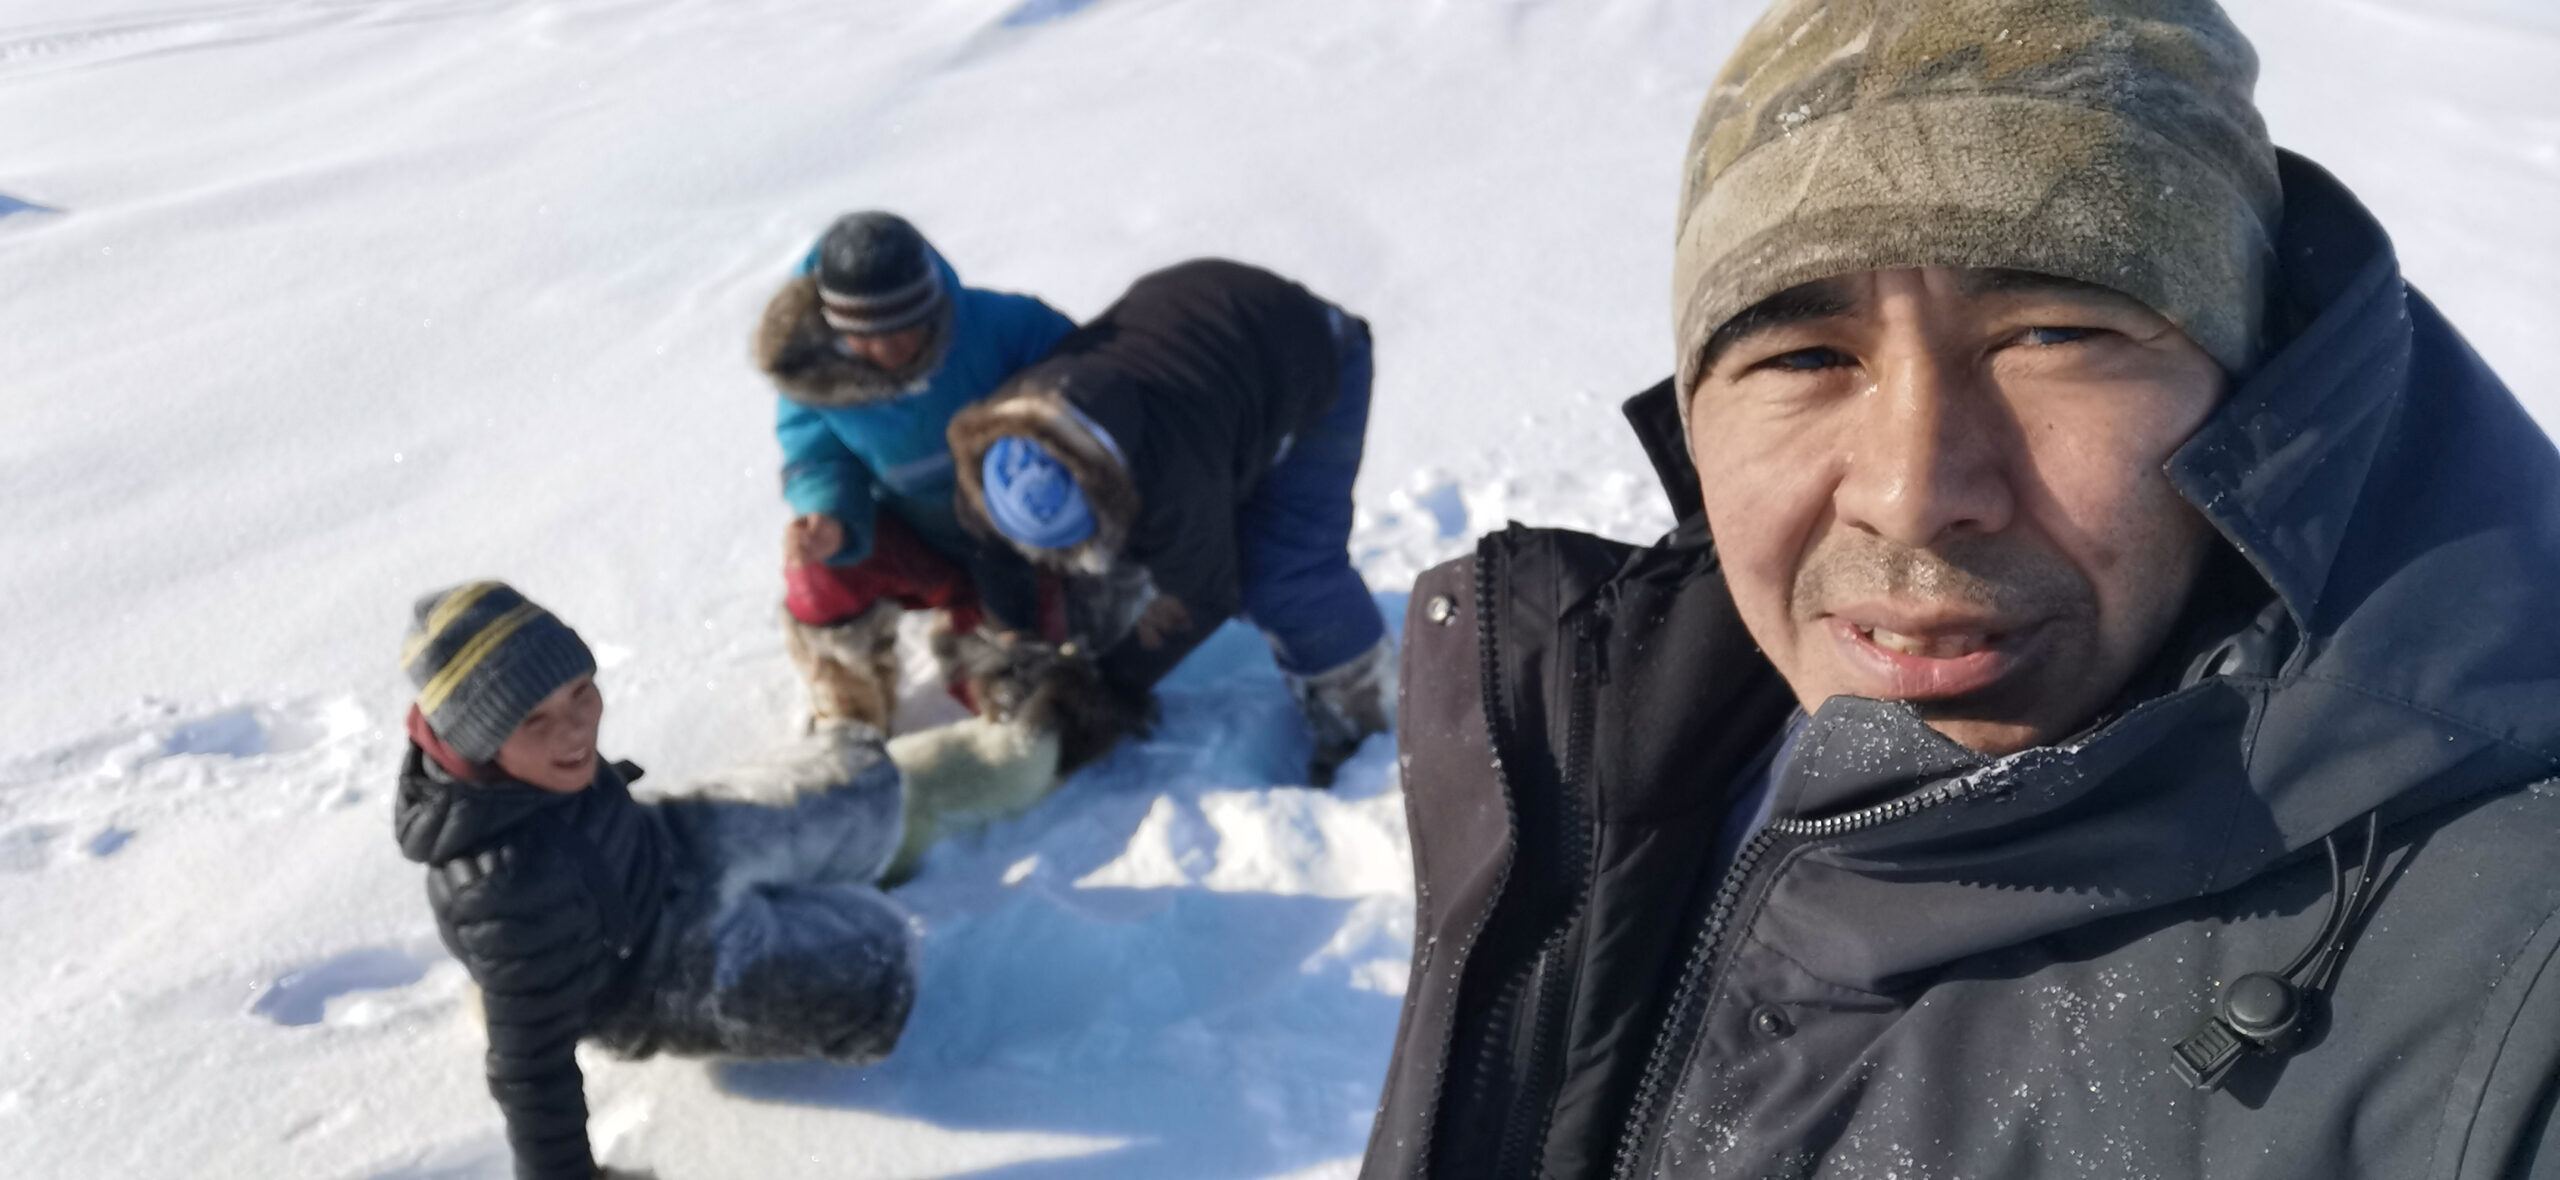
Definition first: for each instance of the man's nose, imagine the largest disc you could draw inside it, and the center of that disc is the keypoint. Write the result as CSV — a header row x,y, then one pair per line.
x,y
1927,455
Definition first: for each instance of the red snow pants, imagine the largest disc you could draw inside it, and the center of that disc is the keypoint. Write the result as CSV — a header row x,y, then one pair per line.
x,y
902,569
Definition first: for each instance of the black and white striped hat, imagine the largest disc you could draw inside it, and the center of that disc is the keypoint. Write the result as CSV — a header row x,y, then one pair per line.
x,y
876,275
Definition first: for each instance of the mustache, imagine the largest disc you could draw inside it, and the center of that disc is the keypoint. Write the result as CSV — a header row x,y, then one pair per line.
x,y
1991,575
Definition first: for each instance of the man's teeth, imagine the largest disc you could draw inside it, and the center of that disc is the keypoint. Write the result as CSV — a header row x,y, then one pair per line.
x,y
1942,647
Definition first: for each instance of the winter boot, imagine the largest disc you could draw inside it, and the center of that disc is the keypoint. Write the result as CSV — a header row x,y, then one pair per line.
x,y
851,667
1344,705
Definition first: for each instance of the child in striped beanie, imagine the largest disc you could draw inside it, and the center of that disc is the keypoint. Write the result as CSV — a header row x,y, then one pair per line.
x,y
741,919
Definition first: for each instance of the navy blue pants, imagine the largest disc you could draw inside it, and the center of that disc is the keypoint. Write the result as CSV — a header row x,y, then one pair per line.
x,y
1299,587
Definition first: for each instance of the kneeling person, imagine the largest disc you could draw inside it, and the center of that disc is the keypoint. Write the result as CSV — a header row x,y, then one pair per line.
x,y
740,920
873,345
1188,457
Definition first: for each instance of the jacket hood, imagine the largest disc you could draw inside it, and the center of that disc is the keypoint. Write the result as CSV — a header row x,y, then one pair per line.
x,y
1035,407
794,346
438,817
2404,510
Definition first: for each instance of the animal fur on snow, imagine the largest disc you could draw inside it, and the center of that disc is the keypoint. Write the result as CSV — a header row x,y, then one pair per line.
x,y
1052,688
968,774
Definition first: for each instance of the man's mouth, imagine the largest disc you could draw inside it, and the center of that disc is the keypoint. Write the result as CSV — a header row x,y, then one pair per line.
x,y
1915,663
1936,647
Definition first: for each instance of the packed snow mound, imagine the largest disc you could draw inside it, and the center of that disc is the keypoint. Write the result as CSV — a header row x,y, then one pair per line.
x,y
315,305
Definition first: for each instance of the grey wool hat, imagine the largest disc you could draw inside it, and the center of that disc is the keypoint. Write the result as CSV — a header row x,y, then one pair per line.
x,y
482,656
876,275
2111,142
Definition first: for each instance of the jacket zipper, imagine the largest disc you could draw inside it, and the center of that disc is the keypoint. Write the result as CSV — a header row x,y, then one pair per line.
x,y
1522,1128
1679,1027
1489,681
1533,1108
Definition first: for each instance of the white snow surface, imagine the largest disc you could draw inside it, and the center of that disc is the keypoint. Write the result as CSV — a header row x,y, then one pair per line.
x,y
308,306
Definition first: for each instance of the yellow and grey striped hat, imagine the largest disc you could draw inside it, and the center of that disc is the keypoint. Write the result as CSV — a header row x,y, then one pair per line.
x,y
482,657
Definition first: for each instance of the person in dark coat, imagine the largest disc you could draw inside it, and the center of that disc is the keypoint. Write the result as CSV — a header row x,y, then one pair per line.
x,y
738,920
2096,713
1187,457
873,344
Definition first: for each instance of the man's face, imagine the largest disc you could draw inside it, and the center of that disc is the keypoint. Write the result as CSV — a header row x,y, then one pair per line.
x,y
1946,487
554,747
890,352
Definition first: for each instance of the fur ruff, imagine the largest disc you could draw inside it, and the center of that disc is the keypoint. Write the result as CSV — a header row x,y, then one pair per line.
x,y
794,346
1032,410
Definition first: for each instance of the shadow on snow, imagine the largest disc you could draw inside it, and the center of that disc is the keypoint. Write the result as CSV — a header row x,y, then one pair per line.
x,y
10,205
1040,12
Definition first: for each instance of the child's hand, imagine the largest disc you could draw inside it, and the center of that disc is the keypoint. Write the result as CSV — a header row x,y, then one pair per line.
x,y
811,539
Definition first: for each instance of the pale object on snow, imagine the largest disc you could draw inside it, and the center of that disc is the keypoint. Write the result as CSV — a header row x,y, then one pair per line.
x,y
968,774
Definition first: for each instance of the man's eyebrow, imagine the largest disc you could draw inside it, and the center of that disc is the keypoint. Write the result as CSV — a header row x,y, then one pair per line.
x,y
1821,300
2001,281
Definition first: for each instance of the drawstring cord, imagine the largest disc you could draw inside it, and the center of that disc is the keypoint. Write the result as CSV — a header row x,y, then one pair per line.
x,y
2268,1012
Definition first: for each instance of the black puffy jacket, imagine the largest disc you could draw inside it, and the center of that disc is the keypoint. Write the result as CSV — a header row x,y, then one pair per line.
x,y
1933,965
1200,373
551,901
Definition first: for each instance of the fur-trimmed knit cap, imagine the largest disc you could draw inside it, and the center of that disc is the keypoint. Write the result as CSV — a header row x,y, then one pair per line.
x,y
876,274
2109,141
482,657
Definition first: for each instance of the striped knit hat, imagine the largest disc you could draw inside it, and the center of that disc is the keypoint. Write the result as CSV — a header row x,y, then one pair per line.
x,y
875,275
482,657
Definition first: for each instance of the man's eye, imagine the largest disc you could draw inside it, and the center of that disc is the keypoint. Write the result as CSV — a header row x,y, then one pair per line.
x,y
2048,337
1806,360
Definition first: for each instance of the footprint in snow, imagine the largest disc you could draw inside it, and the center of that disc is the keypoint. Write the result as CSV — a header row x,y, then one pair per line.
x,y
26,848
301,995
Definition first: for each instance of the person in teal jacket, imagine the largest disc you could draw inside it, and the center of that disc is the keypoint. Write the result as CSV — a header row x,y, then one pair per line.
x,y
873,345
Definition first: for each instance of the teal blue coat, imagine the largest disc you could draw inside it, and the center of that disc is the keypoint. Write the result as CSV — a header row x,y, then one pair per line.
x,y
852,444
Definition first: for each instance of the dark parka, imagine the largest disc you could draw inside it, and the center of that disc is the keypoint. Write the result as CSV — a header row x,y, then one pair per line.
x,y
1201,373
1930,965
550,900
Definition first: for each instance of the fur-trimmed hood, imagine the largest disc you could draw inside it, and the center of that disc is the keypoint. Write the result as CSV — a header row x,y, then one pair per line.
x,y
1034,408
794,346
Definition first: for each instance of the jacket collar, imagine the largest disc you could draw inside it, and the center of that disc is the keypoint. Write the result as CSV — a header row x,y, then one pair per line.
x,y
438,817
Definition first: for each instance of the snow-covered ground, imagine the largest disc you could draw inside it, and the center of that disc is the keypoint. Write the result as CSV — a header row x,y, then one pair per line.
x,y
307,306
